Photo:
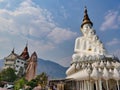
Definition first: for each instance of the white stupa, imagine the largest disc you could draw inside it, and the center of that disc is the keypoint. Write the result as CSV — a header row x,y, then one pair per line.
x,y
91,67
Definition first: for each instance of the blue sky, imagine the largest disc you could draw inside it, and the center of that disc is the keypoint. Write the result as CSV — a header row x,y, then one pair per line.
x,y
51,26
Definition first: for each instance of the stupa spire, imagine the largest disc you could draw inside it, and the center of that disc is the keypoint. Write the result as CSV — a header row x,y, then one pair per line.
x,y
86,18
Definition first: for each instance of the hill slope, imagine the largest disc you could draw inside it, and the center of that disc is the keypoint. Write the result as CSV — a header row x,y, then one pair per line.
x,y
1,63
52,69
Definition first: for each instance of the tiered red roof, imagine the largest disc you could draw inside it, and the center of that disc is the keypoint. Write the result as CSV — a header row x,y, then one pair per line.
x,y
25,53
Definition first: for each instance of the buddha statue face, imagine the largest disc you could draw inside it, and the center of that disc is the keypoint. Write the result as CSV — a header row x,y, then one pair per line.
x,y
86,28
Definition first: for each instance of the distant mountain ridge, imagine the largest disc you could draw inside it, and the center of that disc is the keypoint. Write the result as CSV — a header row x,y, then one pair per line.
x,y
52,69
1,63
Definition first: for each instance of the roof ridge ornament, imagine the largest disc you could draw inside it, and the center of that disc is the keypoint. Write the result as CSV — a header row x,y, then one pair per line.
x,y
86,18
13,50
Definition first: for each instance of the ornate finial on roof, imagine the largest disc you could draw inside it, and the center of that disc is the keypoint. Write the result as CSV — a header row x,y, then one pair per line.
x,y
13,50
86,18
85,9
26,47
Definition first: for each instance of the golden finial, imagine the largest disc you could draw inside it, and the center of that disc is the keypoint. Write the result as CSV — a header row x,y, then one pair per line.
x,y
86,18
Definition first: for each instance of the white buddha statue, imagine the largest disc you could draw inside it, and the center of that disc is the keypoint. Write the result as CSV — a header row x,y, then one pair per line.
x,y
91,67
88,43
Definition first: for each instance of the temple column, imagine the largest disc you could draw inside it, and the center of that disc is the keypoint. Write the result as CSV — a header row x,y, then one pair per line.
x,y
107,84
100,84
80,85
96,83
88,84
85,86
77,85
91,86
118,84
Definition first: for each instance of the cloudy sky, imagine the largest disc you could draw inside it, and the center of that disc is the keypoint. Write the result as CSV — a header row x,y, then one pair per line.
x,y
51,26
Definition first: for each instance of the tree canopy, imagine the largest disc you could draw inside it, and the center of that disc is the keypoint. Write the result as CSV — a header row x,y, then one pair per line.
x,y
20,83
8,75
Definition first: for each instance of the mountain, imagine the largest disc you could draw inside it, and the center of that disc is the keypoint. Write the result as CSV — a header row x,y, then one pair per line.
x,y
52,69
1,63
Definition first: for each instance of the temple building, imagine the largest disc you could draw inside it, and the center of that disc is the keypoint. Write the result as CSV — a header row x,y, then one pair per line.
x,y
92,68
20,62
10,60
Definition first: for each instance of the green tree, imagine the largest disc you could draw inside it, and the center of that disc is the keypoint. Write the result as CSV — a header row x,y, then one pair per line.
x,y
8,75
33,83
42,79
20,83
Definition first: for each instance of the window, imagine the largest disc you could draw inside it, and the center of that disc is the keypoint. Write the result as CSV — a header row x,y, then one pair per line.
x,y
21,62
18,61
17,66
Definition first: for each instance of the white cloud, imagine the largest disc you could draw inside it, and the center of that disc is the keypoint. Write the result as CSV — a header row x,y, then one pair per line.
x,y
63,11
28,19
3,40
59,35
1,0
115,41
41,46
112,21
